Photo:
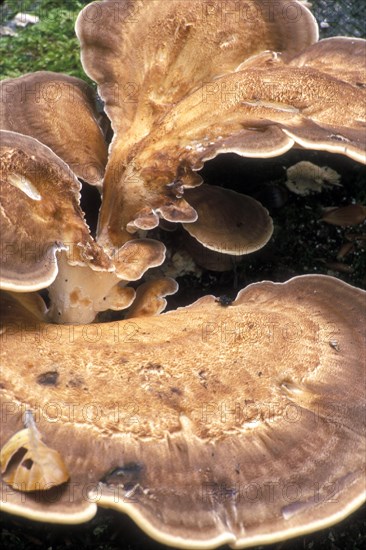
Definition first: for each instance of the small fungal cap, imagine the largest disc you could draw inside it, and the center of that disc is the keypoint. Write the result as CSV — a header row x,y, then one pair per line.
x,y
60,111
150,297
228,222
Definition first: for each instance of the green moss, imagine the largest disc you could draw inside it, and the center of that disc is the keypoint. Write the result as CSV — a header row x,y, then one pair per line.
x,y
49,45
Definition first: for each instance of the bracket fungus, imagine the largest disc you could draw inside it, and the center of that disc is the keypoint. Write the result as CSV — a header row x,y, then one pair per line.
x,y
250,70
258,437
242,424
228,222
83,279
60,111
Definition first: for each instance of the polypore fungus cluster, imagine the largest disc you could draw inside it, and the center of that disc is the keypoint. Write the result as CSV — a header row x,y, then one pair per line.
x,y
209,424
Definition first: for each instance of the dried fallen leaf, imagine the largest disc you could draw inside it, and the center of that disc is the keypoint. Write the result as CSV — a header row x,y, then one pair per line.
x,y
338,266
27,464
305,178
353,214
345,249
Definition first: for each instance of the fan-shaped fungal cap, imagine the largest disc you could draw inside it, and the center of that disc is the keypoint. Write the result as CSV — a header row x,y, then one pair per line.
x,y
59,111
155,54
40,215
82,278
270,109
147,55
245,425
341,57
228,222
298,98
150,297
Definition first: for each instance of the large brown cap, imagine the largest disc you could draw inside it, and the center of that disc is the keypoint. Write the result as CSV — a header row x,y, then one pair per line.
x,y
153,55
207,425
228,222
327,112
341,57
40,215
257,112
147,55
60,111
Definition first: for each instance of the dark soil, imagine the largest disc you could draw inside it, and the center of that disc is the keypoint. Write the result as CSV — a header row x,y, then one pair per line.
x,y
112,531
